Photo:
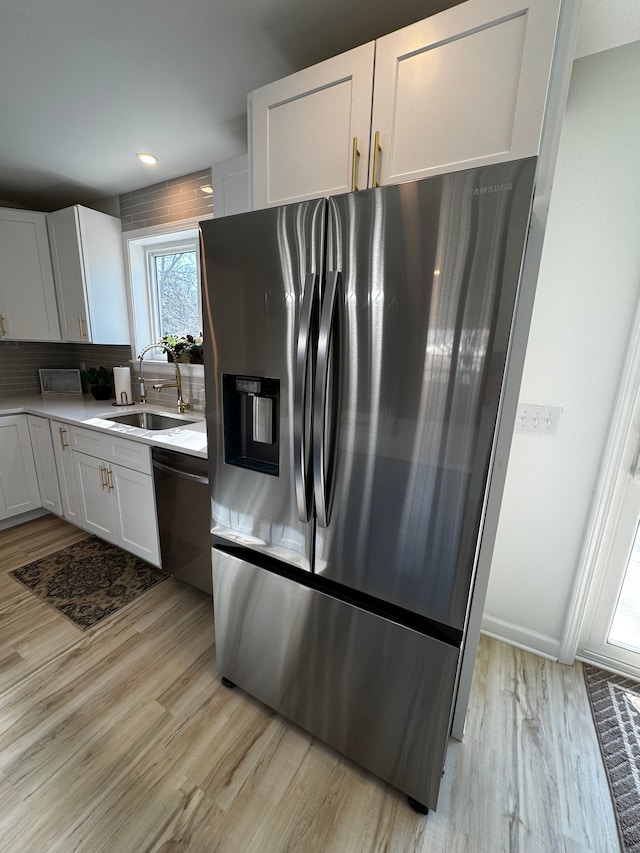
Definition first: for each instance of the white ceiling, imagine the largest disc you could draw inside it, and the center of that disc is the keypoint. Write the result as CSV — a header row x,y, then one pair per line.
x,y
85,84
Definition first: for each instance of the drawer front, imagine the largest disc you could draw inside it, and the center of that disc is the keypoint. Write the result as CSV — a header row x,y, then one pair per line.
x,y
88,441
129,453
375,690
111,448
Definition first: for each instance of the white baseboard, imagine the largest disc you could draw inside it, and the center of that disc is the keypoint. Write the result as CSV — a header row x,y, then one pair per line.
x,y
5,523
523,638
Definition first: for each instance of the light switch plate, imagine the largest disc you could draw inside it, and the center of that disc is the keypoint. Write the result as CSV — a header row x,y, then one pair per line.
x,y
538,420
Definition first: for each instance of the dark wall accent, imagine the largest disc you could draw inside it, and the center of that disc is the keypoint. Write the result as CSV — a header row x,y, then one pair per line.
x,y
168,201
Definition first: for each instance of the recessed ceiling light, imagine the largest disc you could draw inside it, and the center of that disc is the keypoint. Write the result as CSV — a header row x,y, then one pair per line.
x,y
207,188
149,159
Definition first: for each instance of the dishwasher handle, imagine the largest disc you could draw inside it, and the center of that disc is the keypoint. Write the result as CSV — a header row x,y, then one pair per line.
x,y
194,478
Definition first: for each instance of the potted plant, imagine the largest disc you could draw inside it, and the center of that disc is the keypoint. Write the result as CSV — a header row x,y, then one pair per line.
x,y
100,382
184,348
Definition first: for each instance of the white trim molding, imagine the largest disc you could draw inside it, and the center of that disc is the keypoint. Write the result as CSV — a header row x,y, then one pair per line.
x,y
523,638
612,460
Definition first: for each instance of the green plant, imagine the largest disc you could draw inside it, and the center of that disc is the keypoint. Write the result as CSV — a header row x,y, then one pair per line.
x,y
184,347
97,376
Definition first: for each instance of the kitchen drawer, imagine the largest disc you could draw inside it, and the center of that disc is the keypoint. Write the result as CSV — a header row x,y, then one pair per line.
x,y
88,441
122,451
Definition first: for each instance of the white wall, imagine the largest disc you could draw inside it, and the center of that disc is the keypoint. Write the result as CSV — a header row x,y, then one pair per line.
x,y
587,292
605,24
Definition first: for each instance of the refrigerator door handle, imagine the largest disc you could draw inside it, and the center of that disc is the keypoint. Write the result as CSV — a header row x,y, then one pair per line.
x,y
322,472
300,395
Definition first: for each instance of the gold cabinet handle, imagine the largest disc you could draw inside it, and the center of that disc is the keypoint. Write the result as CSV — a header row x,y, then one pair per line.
x,y
109,473
81,320
377,148
103,483
3,331
62,435
355,154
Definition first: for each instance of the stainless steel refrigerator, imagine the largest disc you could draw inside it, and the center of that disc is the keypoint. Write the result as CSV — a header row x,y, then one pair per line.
x,y
355,350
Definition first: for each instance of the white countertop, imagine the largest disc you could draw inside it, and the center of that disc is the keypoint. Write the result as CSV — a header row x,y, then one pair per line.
x,y
85,411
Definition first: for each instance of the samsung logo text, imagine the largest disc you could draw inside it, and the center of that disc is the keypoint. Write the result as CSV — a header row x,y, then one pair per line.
x,y
496,188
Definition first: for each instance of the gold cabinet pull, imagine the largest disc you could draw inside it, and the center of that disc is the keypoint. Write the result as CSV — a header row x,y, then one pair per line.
x,y
82,332
377,148
62,435
355,154
3,331
109,473
103,484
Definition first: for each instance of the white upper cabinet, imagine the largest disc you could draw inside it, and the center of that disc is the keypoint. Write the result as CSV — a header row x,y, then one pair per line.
x,y
230,180
303,130
88,268
463,88
27,296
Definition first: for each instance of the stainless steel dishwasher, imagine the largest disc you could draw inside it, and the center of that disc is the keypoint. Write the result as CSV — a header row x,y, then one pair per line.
x,y
182,498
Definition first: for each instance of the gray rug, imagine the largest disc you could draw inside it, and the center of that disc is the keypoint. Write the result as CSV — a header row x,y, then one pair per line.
x,y
615,704
89,580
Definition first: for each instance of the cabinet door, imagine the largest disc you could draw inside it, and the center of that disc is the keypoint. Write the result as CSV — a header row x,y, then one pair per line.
x,y
60,435
27,296
303,129
86,252
45,463
135,510
462,88
101,250
95,496
18,481
230,180
68,270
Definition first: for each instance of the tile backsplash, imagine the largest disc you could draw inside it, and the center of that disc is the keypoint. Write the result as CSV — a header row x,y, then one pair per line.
x,y
20,360
192,386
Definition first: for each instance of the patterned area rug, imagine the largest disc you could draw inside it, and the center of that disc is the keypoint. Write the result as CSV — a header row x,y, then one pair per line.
x,y
615,704
88,581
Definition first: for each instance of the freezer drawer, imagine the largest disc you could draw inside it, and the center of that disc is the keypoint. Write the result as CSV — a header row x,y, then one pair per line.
x,y
377,691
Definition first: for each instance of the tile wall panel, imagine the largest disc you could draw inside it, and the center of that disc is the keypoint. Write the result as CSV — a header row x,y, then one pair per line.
x,y
168,201
20,360
192,387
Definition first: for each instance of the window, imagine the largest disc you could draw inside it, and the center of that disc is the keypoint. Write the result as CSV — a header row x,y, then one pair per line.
x,y
164,273
174,291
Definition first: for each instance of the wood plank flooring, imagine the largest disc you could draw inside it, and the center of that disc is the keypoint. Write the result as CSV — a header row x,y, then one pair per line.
x,y
122,739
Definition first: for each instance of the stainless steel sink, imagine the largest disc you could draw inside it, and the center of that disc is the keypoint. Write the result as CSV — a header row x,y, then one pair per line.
x,y
149,420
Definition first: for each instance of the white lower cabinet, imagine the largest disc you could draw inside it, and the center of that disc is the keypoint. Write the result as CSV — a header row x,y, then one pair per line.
x,y
19,490
96,502
45,462
116,502
66,474
135,513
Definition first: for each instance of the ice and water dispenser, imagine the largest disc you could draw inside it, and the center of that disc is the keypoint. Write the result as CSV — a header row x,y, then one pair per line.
x,y
251,422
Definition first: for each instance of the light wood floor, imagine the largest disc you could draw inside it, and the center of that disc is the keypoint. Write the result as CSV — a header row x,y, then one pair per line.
x,y
122,739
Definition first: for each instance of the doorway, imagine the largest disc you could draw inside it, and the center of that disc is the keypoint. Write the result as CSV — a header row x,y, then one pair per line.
x,y
625,627
610,635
